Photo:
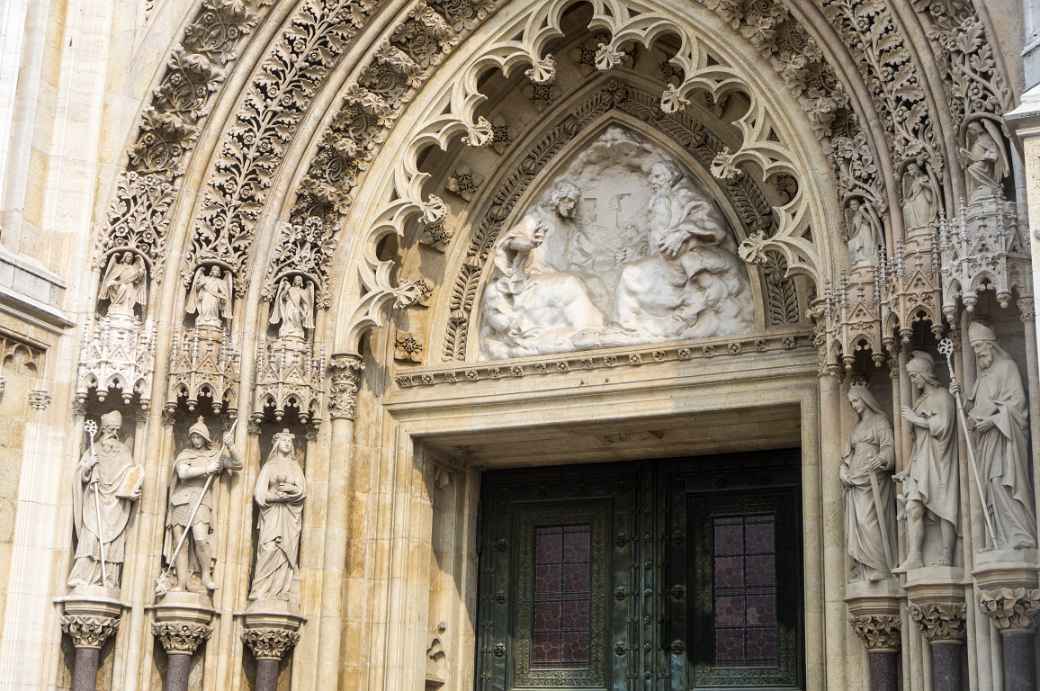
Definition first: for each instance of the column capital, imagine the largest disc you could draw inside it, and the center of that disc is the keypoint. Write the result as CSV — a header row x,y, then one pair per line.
x,y
270,643
1026,309
346,369
181,638
879,632
940,621
1011,609
88,631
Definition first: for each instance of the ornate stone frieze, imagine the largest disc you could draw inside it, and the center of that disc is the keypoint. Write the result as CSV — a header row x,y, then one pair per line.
x,y
606,360
303,248
181,638
270,643
288,376
204,364
89,631
940,621
116,353
138,221
983,249
253,148
344,385
879,632
1011,609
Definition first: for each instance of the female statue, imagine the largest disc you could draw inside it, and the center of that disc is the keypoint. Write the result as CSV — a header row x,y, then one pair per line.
x,y
919,203
280,491
293,308
866,476
864,233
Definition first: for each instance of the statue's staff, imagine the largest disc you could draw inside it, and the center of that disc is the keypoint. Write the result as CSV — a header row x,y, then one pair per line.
x,y
160,582
91,428
946,350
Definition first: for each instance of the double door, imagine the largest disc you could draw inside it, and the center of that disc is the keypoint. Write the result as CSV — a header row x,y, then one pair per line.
x,y
652,576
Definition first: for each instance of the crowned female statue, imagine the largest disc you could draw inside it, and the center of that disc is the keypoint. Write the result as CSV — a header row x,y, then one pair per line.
x,y
280,492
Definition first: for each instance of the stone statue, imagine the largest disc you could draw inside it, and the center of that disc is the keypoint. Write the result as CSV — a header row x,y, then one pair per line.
x,y
864,233
107,483
293,307
999,418
280,492
189,514
528,307
210,297
691,284
920,205
931,484
866,475
985,160
124,285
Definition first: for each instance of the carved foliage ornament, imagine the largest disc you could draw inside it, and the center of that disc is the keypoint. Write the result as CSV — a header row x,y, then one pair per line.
x,y
181,638
88,631
1011,608
270,643
940,622
878,631
344,385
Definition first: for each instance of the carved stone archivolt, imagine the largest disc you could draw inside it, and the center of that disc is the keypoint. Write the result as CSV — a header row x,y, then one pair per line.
x,y
879,632
1011,609
181,638
940,621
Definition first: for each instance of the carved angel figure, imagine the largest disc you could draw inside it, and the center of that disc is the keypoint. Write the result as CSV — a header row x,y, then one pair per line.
x,y
920,206
210,297
124,285
864,233
985,160
293,308
280,491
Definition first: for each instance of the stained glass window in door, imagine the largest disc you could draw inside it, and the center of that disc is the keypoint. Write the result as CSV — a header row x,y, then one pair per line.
x,y
744,590
561,635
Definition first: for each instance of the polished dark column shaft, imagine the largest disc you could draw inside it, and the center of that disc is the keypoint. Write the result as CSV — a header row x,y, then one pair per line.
x,y
884,670
1019,660
266,675
84,670
178,669
946,665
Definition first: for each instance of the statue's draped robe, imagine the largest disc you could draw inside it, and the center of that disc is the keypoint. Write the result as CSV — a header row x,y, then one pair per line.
x,y
114,463
871,439
1003,452
292,309
280,523
933,474
918,203
122,288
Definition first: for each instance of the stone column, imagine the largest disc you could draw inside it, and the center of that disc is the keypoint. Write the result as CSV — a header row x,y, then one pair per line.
x,y
346,381
943,626
180,640
269,645
880,635
1013,612
89,620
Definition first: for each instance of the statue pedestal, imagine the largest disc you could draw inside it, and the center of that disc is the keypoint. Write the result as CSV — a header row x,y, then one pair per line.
x,y
874,616
1008,593
270,630
937,605
91,616
182,623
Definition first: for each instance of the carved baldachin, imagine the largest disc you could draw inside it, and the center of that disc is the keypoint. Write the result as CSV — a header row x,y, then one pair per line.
x,y
88,631
270,643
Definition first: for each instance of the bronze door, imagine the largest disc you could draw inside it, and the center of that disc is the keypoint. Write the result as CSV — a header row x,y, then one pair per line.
x,y
631,577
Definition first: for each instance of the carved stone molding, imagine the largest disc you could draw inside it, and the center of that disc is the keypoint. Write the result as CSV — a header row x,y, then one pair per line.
x,y
344,385
878,631
579,362
940,621
270,643
1011,609
181,638
88,631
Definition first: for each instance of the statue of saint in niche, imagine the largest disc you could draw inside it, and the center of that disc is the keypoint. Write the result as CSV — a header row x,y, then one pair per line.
x,y
210,296
864,233
125,284
279,496
622,249
293,307
920,205
985,160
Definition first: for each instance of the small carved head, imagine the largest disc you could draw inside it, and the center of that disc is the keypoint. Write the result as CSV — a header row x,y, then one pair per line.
x,y
298,281
111,424
215,271
921,370
284,441
128,257
854,204
663,174
565,197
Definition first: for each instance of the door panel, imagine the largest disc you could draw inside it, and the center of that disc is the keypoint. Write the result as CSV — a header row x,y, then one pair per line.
x,y
668,576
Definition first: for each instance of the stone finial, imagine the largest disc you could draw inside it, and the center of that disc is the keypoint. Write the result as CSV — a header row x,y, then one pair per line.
x,y
88,631
1011,609
270,643
940,621
879,632
181,638
346,381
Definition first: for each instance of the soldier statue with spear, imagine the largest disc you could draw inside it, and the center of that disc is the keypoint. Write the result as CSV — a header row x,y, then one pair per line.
x,y
190,509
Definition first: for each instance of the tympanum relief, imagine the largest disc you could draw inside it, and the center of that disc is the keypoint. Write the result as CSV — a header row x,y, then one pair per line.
x,y
622,248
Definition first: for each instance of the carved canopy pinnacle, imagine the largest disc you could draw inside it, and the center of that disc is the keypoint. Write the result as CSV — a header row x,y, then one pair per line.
x,y
879,631
940,621
346,371
1011,609
270,643
181,638
88,631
